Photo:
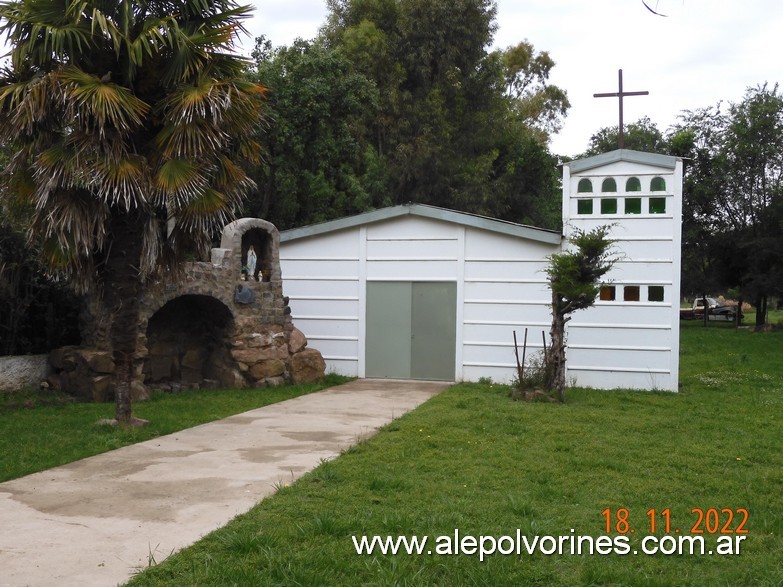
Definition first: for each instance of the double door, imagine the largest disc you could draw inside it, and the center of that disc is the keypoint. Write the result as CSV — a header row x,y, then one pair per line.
x,y
411,330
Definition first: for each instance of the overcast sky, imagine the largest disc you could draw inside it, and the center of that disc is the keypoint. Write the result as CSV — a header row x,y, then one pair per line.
x,y
702,52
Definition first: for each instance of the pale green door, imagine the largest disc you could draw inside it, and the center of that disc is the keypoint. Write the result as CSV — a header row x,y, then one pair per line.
x,y
411,330
388,340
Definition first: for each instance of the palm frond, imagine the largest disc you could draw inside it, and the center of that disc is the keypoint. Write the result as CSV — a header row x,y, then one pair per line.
x,y
191,140
72,216
152,35
59,167
24,103
208,202
98,104
249,150
39,31
63,259
202,99
201,41
121,181
107,28
210,209
207,116
56,255
228,173
180,180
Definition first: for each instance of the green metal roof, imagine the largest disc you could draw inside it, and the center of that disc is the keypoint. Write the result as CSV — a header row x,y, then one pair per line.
x,y
653,159
425,211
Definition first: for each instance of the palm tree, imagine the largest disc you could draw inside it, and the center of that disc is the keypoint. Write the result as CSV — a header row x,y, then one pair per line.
x,y
128,121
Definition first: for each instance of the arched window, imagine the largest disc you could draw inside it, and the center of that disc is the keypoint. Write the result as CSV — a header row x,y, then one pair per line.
x,y
657,184
585,186
633,185
609,185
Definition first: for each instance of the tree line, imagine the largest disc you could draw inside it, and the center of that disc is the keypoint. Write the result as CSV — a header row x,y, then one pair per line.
x,y
401,101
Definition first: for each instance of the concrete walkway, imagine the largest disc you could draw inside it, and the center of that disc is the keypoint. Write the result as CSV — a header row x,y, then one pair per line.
x,y
94,522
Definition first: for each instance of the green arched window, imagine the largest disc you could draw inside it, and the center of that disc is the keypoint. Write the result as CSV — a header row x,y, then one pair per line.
x,y
609,185
657,184
633,185
585,186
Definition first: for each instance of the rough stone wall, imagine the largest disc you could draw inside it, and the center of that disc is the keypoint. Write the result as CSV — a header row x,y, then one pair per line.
x,y
20,371
210,326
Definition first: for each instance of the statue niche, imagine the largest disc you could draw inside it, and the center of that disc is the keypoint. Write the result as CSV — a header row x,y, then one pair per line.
x,y
256,255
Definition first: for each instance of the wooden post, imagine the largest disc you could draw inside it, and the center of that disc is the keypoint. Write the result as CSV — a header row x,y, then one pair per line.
x,y
520,372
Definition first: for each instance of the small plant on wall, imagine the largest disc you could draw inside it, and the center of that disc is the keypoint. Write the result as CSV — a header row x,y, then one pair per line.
x,y
574,277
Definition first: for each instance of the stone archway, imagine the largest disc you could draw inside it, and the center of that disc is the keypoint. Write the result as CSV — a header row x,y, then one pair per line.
x,y
188,344
204,326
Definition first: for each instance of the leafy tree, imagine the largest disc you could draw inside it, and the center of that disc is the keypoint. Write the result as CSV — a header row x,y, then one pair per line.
x,y
701,260
319,162
575,281
734,192
642,135
541,105
126,122
753,155
456,126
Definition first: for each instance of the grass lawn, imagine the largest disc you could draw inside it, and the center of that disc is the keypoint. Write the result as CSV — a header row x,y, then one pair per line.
x,y
50,433
473,460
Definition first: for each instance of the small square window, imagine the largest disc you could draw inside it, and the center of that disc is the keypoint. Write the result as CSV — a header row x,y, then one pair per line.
x,y
631,293
584,206
657,205
633,205
609,206
607,293
655,293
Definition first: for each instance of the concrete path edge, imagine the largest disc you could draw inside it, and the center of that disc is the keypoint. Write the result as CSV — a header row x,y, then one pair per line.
x,y
97,521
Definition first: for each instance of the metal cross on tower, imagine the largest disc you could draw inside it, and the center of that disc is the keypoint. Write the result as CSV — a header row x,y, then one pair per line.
x,y
620,94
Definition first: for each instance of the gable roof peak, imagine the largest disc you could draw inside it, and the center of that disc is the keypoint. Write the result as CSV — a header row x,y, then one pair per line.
x,y
629,155
426,211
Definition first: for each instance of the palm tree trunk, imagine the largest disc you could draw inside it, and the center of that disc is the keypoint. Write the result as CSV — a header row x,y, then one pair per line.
x,y
121,291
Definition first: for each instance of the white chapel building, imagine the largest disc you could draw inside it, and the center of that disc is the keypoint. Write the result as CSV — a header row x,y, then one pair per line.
x,y
419,292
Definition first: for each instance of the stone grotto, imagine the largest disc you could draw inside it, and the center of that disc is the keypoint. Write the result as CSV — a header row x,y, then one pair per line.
x,y
223,323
